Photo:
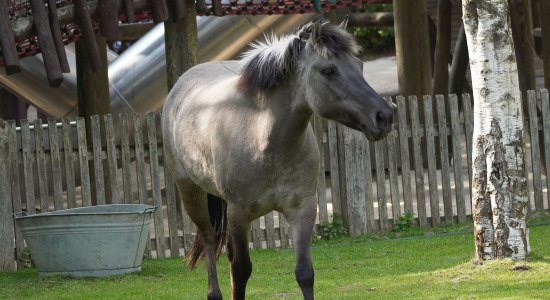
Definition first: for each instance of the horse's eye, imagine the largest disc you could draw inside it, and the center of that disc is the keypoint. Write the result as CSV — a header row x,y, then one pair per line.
x,y
329,72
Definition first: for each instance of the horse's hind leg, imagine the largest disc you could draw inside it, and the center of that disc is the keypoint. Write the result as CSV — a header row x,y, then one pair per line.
x,y
237,251
196,206
302,220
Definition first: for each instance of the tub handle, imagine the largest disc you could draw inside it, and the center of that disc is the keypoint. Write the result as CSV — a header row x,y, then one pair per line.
x,y
149,210
21,214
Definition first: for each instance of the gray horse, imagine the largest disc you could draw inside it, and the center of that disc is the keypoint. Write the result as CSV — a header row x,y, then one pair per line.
x,y
240,131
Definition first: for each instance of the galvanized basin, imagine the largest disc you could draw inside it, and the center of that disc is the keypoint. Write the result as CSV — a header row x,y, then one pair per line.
x,y
88,241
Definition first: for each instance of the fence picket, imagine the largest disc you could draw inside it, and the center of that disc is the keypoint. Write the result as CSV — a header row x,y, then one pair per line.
x,y
69,168
394,176
125,158
334,168
56,165
41,165
369,191
112,158
83,161
269,230
418,166
354,181
28,173
257,234
140,158
171,207
457,160
535,149
15,160
404,153
444,155
545,106
321,186
97,150
381,186
430,148
155,183
7,226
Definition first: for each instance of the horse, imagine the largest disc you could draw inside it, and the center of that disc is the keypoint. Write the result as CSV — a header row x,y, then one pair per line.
x,y
239,143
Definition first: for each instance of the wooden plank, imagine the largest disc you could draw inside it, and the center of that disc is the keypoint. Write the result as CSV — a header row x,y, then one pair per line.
x,y
457,159
355,210
334,168
15,159
469,132
321,186
7,226
125,155
418,166
28,168
69,168
155,183
535,150
83,160
430,148
369,192
269,230
404,153
57,179
444,155
97,150
394,176
381,186
545,105
42,165
112,158
140,159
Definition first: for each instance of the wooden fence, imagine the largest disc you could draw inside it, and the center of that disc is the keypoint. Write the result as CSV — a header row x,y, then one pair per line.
x,y
422,169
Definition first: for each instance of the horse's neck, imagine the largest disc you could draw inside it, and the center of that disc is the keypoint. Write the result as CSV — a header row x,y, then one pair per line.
x,y
290,115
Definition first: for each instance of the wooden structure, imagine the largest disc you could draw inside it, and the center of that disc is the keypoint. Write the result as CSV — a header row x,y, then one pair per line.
x,y
49,168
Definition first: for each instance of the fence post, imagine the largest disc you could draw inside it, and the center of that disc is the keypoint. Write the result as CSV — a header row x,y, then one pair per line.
x,y
7,230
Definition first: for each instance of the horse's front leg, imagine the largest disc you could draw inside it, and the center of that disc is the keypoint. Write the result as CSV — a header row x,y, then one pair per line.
x,y
302,221
237,251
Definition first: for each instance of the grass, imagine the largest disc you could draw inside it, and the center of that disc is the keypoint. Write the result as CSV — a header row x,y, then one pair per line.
x,y
425,266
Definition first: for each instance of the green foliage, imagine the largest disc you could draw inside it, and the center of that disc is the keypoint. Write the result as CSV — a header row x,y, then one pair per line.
x,y
331,230
26,259
405,222
375,38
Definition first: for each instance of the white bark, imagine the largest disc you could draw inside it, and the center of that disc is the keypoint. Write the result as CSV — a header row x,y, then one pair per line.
x,y
499,195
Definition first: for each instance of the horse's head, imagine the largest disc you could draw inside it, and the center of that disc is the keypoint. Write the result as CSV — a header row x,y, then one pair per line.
x,y
332,79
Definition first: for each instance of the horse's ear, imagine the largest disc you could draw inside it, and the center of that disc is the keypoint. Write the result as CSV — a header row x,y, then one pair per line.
x,y
316,31
344,24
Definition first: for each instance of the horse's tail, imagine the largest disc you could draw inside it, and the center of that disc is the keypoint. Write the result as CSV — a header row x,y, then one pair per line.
x,y
217,209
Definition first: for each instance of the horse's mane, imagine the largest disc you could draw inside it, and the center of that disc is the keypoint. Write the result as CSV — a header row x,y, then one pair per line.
x,y
270,62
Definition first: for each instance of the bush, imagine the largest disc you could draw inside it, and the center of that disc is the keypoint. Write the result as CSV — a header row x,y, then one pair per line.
x,y
332,230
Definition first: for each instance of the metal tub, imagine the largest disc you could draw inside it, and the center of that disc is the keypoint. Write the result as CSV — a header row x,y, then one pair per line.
x,y
88,241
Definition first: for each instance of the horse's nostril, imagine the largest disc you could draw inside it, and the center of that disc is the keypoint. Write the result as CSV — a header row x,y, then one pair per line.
x,y
381,119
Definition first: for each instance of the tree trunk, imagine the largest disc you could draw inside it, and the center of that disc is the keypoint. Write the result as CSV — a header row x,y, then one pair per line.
x,y
500,200
442,48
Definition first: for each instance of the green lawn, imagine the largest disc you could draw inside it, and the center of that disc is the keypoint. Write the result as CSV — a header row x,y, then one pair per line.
x,y
422,267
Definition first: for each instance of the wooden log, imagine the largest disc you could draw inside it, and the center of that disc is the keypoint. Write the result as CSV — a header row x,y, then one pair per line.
x,y
155,182
41,164
418,166
69,168
47,45
370,19
432,176
179,10
7,41
57,37
83,160
108,19
404,152
535,154
56,165
444,155
129,10
84,21
217,8
160,11
7,226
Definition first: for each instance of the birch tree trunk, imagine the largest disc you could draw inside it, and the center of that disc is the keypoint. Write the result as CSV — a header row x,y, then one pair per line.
x,y
499,196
